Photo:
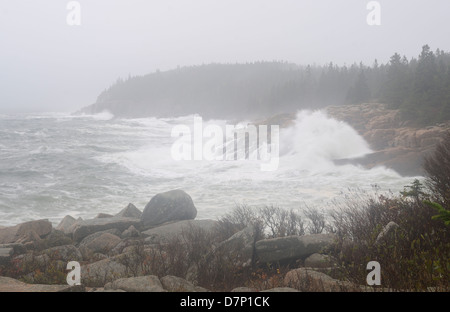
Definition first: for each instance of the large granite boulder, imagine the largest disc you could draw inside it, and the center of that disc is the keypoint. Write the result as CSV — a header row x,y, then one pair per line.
x,y
174,205
66,253
178,284
291,247
104,243
25,232
242,242
81,229
98,274
164,233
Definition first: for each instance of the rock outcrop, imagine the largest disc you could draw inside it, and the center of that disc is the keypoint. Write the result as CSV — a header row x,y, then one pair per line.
x,y
303,278
290,248
396,144
25,232
81,229
11,285
165,232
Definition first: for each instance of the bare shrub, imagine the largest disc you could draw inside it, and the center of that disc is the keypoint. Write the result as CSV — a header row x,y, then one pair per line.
x,y
317,220
415,257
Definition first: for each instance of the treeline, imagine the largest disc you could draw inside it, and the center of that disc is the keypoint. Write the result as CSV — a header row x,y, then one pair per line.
x,y
419,87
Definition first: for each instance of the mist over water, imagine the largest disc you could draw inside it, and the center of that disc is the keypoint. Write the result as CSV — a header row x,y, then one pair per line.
x,y
58,164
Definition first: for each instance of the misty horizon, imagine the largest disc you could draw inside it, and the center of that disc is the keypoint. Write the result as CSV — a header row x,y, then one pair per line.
x,y
48,65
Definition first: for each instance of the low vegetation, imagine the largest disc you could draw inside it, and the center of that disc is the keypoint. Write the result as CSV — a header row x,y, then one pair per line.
x,y
413,251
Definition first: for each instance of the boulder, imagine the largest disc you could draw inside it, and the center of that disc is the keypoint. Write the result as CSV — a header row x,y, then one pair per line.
x,y
165,232
178,284
56,238
129,211
5,255
104,243
137,284
18,248
103,290
66,253
12,285
242,242
130,232
81,229
317,260
66,223
309,280
387,232
30,262
25,232
174,205
291,247
98,274
91,237
281,289
243,289
126,244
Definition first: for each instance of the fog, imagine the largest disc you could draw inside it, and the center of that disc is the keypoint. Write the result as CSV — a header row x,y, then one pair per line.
x,y
48,65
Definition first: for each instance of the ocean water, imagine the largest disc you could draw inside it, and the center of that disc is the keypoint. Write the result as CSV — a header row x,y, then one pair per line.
x,y
56,164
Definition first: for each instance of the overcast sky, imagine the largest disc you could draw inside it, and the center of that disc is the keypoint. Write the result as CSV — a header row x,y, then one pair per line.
x,y
47,65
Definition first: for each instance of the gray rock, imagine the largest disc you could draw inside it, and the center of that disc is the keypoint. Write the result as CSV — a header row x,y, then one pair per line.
x,y
5,255
66,253
243,289
31,261
242,242
130,232
25,232
129,211
174,205
103,290
104,243
17,248
126,244
165,232
81,229
91,237
99,273
137,284
387,232
317,260
281,289
309,280
98,257
12,285
56,238
66,223
292,247
177,284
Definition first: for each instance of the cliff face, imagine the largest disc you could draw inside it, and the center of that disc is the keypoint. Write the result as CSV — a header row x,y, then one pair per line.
x,y
395,143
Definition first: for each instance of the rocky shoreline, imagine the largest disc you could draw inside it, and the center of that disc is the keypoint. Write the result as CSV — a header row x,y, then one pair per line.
x,y
396,144
112,249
